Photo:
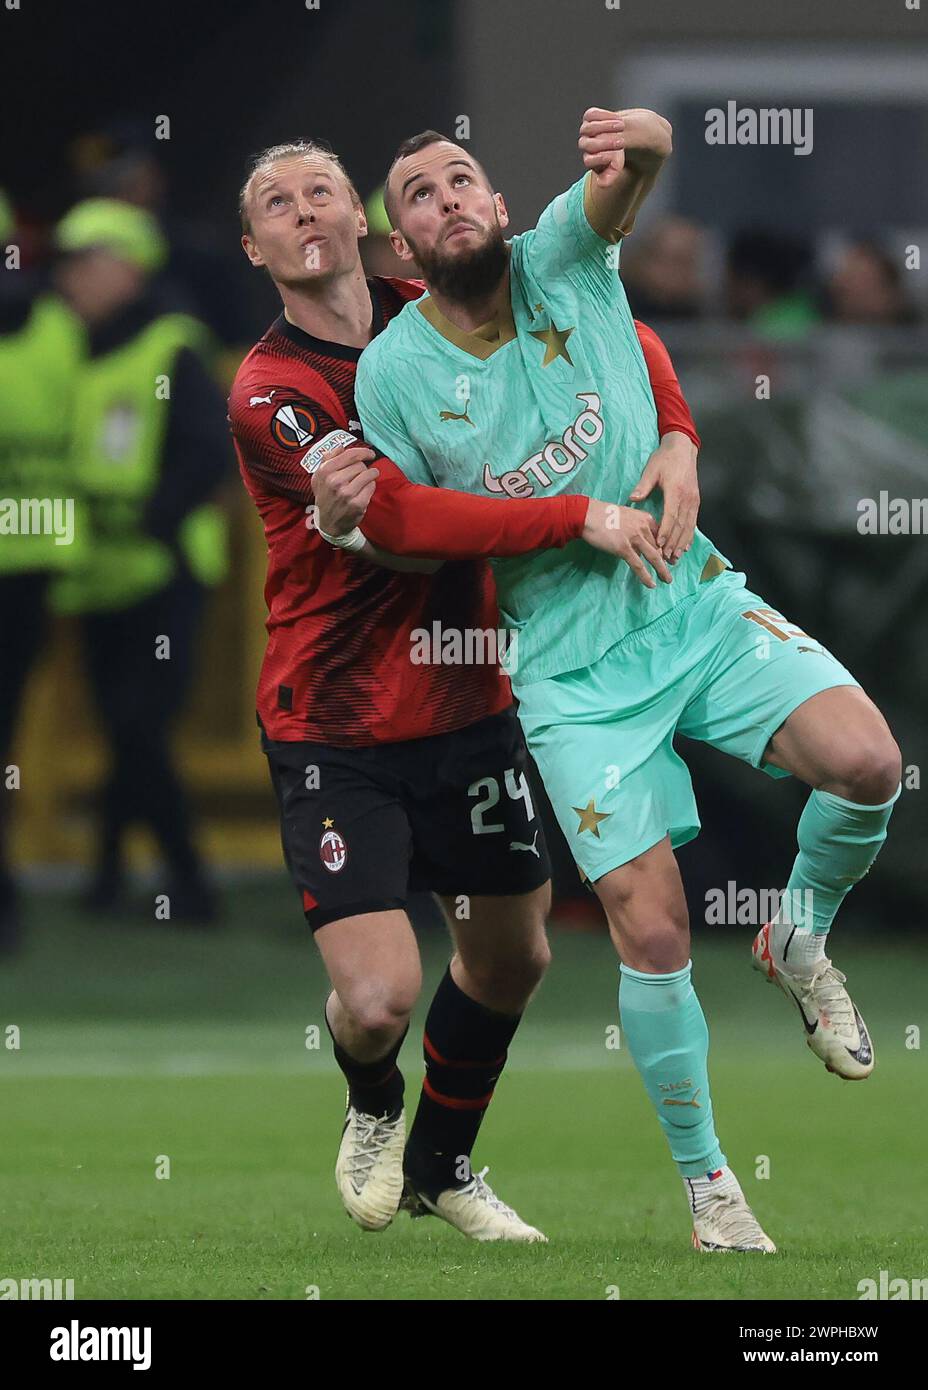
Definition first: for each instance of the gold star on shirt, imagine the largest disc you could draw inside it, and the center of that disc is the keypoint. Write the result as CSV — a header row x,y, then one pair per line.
x,y
555,341
590,818
327,823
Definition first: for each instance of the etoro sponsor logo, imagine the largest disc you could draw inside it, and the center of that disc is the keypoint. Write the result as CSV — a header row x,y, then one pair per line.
x,y
559,456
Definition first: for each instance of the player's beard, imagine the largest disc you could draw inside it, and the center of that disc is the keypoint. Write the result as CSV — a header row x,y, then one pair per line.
x,y
464,278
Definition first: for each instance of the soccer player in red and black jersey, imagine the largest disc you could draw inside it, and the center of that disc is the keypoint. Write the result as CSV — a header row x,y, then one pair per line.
x,y
392,775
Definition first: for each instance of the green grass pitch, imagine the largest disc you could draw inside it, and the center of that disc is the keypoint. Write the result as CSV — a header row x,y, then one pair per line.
x,y
140,1042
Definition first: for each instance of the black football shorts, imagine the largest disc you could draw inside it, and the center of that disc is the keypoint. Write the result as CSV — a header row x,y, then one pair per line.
x,y
362,827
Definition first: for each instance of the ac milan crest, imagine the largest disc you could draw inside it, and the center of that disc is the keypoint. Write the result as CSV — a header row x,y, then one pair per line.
x,y
333,851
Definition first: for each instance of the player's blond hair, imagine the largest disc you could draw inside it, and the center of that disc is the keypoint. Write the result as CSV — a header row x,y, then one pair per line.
x,y
276,154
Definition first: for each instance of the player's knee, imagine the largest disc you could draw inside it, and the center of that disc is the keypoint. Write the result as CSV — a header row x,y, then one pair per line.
x,y
870,770
652,936
383,1010
662,948
535,963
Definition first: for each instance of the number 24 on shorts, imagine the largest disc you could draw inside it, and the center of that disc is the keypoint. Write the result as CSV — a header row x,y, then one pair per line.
x,y
517,791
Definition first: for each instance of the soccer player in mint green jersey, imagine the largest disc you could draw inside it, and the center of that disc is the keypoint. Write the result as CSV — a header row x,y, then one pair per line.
x,y
529,345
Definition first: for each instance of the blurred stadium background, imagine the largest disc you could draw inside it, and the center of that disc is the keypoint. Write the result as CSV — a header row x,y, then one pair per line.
x,y
750,261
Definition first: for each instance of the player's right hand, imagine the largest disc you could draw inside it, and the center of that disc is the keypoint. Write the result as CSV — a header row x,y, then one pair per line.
x,y
343,485
610,139
629,533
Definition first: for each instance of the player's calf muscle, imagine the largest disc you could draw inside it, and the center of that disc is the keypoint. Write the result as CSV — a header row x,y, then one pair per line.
x,y
502,951
506,984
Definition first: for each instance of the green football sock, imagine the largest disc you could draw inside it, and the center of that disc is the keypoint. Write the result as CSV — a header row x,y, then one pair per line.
x,y
667,1036
838,841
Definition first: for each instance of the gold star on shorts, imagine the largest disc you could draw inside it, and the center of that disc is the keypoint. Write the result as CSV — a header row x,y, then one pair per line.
x,y
555,341
590,818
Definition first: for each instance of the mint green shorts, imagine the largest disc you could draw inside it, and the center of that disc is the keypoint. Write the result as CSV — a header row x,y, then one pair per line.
x,y
721,667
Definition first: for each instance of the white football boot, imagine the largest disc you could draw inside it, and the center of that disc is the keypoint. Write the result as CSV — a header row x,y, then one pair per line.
x,y
722,1219
369,1168
475,1210
834,1028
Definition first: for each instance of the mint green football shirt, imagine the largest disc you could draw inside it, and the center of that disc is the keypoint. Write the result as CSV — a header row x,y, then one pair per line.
x,y
560,402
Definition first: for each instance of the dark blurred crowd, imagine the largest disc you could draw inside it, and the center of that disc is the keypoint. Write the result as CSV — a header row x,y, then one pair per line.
x,y
776,284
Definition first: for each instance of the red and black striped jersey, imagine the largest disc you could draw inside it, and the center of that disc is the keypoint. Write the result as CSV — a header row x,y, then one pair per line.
x,y
338,666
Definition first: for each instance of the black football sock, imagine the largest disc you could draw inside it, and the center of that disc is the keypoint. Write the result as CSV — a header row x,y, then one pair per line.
x,y
465,1047
375,1088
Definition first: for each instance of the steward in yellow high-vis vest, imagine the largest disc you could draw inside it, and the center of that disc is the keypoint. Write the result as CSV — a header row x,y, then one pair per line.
x,y
41,343
40,350
149,449
118,447
125,440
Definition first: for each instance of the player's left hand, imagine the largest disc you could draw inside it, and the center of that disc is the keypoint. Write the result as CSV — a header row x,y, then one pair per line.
x,y
672,468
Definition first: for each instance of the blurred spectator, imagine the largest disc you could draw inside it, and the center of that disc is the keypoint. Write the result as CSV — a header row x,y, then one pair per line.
x,y
150,447
767,284
866,287
663,270
41,343
377,252
124,162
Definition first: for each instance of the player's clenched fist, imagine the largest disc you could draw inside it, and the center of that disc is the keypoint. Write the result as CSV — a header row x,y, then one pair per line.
x,y
343,484
630,534
609,139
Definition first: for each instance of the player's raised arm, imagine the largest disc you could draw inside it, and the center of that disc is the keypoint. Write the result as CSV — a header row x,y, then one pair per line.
x,y
624,151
